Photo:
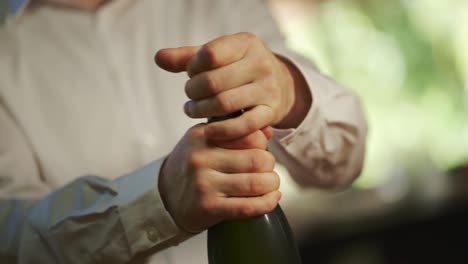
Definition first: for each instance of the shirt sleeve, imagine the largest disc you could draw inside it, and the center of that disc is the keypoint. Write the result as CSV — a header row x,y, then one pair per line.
x,y
327,149
90,220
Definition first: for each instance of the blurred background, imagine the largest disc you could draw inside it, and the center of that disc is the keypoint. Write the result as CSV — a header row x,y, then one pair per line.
x,y
408,62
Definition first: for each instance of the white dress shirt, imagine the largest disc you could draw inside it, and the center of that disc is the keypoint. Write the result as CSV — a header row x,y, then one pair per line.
x,y
80,95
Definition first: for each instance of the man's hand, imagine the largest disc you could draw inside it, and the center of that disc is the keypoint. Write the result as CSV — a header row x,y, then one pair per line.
x,y
204,182
232,73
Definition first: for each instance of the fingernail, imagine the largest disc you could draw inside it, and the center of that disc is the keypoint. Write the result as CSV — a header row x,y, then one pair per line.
x,y
188,108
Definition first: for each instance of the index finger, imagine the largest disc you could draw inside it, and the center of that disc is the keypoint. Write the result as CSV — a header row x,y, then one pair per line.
x,y
250,121
219,52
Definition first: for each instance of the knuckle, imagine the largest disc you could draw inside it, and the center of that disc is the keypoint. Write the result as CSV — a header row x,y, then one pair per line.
x,y
197,132
225,103
211,84
252,142
188,87
265,66
256,186
247,210
256,160
220,130
249,36
257,140
275,179
270,204
269,160
209,53
251,124
196,160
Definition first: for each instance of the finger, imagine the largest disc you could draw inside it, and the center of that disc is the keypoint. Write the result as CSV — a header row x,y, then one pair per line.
x,y
241,161
224,103
254,119
215,81
219,52
241,208
268,132
175,59
256,140
247,184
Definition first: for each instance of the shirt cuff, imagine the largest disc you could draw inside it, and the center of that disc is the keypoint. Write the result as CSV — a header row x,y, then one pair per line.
x,y
146,221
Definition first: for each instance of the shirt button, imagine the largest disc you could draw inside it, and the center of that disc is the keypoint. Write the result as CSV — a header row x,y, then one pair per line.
x,y
152,234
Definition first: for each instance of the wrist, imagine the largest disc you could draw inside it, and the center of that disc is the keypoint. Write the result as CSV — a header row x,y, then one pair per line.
x,y
302,97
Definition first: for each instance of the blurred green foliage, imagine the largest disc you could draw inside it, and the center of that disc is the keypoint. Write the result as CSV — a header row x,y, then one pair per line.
x,y
408,61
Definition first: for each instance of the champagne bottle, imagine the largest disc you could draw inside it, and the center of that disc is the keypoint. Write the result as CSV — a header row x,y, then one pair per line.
x,y
265,239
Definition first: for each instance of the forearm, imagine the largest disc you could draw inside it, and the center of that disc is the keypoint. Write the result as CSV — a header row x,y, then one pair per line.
x,y
302,96
327,148
90,220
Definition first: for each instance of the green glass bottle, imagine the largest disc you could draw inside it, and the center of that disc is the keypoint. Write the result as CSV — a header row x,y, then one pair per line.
x,y
265,239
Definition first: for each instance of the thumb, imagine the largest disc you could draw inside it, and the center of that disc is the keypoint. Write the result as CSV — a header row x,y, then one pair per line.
x,y
175,59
